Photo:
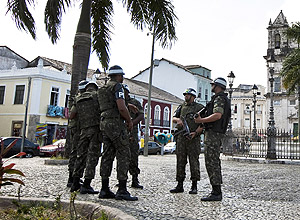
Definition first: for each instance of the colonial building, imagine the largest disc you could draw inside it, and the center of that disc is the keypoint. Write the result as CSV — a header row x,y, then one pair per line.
x,y
285,111
242,108
175,78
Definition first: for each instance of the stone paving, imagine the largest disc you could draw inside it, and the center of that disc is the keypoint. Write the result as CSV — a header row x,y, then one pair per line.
x,y
250,191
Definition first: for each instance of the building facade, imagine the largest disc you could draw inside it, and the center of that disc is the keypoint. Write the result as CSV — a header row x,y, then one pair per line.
x,y
38,86
285,106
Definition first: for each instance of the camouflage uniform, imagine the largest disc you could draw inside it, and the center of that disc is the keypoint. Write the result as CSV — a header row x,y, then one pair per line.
x,y
134,140
188,148
89,146
74,139
115,135
214,133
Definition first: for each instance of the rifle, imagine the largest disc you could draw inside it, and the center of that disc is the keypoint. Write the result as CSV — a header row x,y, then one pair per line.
x,y
186,130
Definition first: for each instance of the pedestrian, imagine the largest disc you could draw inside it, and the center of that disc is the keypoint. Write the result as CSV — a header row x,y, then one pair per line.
x,y
89,145
115,123
187,146
136,117
215,121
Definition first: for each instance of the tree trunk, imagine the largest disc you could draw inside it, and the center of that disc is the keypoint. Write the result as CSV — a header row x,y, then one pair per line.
x,y
81,47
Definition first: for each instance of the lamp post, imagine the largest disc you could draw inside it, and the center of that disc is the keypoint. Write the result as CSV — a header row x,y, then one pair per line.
x,y
271,131
230,77
254,131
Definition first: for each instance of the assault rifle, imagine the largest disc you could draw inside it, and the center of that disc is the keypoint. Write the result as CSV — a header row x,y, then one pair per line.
x,y
185,130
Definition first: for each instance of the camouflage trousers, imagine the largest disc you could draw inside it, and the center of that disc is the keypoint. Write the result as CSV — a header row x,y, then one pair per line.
x,y
212,145
187,150
74,139
89,150
134,156
115,145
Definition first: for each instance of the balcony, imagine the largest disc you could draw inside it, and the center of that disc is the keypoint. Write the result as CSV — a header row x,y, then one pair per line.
x,y
57,111
156,122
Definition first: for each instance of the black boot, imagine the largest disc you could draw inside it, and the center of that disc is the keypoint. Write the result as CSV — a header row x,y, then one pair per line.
x,y
75,185
122,192
215,195
135,182
86,187
178,188
70,179
194,188
105,192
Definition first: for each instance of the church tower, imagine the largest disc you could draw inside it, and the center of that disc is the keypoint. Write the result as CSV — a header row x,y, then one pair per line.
x,y
285,111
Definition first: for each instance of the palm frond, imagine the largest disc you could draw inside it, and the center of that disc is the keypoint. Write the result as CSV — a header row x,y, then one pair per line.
x,y
102,12
53,15
21,15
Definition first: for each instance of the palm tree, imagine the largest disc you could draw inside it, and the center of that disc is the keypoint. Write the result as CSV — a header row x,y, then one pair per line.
x,y
156,15
290,71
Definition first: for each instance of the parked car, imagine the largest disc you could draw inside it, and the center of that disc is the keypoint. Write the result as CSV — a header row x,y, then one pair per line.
x,y
31,149
153,148
170,148
54,149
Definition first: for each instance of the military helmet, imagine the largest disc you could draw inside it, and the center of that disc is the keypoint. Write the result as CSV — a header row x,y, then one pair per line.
x,y
190,91
220,82
115,70
82,84
92,83
126,87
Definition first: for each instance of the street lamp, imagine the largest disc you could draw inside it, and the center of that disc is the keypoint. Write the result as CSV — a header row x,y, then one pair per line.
x,y
230,77
271,131
254,131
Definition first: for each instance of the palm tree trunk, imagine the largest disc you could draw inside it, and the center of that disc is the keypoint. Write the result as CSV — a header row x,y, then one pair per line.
x,y
81,47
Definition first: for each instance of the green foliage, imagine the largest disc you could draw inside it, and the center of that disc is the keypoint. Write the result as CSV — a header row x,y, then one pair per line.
x,y
4,170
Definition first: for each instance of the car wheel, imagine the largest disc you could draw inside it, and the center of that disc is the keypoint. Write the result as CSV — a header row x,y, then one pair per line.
x,y
158,153
28,155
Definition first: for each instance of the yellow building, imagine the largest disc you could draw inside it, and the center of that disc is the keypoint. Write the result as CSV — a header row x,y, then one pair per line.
x,y
45,83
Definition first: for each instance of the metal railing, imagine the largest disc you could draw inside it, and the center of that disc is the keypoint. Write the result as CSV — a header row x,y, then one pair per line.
x,y
243,144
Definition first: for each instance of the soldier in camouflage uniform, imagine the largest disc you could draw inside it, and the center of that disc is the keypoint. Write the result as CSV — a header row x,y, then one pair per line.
x,y
74,132
89,146
187,147
115,123
216,119
136,117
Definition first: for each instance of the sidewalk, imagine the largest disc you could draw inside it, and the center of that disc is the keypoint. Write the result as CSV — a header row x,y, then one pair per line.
x,y
250,190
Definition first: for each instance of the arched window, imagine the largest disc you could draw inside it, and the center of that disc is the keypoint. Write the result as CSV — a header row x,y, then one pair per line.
x,y
166,119
277,41
145,110
157,111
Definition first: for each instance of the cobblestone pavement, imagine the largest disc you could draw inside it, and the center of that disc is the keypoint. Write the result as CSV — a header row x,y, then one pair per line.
x,y
250,191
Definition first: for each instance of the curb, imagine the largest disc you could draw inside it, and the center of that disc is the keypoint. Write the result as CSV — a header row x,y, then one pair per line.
x,y
83,207
260,160
56,162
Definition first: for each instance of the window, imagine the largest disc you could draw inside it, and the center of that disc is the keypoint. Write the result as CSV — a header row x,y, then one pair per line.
x,y
258,123
166,120
276,102
277,84
157,111
67,98
293,102
146,110
19,95
2,92
200,91
54,96
206,94
277,41
235,108
247,122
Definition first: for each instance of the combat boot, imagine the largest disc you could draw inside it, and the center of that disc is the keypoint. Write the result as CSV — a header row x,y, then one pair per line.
x,y
75,185
194,188
123,194
135,182
105,192
86,187
178,188
215,195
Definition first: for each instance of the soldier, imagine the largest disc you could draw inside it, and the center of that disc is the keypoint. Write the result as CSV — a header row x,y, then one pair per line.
x,y
74,132
134,140
89,146
114,123
215,121
187,147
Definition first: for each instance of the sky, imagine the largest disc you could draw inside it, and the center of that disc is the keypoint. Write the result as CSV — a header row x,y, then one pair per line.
x,y
220,35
